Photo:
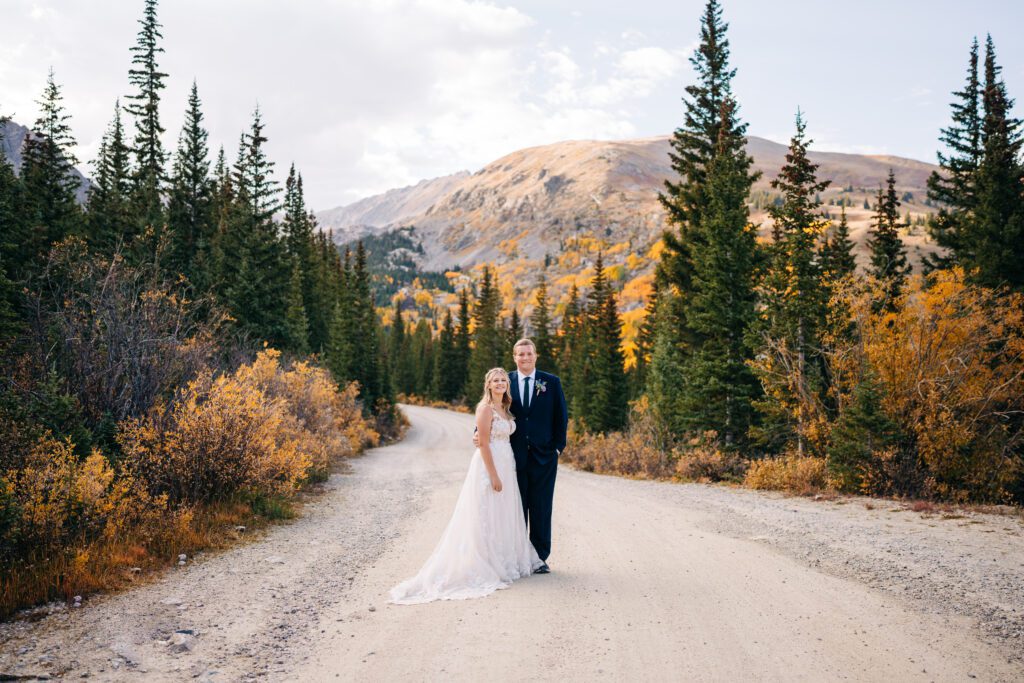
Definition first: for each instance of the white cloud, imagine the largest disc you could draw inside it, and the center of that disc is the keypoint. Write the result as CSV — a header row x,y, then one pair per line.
x,y
361,96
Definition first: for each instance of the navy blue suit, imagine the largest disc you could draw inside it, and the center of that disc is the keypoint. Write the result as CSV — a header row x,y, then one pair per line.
x,y
538,439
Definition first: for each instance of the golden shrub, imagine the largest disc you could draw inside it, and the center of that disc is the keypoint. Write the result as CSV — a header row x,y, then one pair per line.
x,y
701,459
792,473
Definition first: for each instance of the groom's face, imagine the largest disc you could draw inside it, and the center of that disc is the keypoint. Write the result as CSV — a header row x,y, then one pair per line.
x,y
526,358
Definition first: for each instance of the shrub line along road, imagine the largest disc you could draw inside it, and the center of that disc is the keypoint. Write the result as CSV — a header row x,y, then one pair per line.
x,y
650,581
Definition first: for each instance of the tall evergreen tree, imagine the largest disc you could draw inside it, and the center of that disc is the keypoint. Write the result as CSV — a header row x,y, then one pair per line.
x,y
645,343
718,386
996,242
257,297
145,75
296,324
795,295
888,255
515,328
953,186
48,180
446,384
837,259
570,355
601,395
421,344
340,340
403,372
109,205
490,349
694,145
540,329
463,350
375,392
190,202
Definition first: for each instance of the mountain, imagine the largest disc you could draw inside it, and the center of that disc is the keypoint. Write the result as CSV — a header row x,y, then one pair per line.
x,y
12,137
530,204
352,221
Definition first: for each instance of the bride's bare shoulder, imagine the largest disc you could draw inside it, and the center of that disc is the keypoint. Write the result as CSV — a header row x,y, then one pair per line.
x,y
484,410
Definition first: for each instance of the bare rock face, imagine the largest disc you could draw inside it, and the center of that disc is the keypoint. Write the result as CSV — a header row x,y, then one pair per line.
x,y
533,201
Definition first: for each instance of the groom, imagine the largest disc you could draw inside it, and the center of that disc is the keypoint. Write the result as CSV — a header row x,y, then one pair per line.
x,y
538,405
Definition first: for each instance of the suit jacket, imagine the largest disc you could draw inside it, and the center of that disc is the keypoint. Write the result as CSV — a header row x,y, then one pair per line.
x,y
540,431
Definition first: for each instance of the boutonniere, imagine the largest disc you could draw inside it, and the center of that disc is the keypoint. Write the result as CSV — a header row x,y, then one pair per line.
x,y
541,387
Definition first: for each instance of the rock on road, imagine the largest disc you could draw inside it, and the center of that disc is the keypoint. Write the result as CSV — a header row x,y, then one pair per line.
x,y
650,581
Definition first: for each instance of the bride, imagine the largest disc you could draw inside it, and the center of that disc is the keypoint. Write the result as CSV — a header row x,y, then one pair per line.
x,y
485,546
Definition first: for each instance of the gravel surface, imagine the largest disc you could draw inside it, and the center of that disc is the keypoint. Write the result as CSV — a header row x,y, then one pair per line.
x,y
651,580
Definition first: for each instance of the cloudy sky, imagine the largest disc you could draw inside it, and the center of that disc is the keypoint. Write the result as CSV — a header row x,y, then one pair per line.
x,y
368,95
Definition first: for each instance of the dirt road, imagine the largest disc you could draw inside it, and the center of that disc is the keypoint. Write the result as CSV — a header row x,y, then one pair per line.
x,y
650,581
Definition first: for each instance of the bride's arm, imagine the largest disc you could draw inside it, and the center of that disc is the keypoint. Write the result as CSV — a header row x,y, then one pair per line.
x,y
483,429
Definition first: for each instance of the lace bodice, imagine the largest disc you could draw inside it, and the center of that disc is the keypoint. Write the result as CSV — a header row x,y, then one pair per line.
x,y
501,428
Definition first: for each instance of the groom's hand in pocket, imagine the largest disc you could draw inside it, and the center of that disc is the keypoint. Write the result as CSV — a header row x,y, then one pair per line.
x,y
476,438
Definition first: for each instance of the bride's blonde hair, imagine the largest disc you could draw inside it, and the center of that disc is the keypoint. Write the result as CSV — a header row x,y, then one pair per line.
x,y
506,399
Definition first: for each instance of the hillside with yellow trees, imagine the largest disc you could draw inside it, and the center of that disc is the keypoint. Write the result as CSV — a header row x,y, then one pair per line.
x,y
553,208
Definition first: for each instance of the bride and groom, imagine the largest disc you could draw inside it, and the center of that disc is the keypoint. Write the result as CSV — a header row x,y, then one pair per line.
x,y
521,426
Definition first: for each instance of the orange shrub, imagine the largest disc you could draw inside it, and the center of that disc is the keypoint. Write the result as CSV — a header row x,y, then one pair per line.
x,y
790,473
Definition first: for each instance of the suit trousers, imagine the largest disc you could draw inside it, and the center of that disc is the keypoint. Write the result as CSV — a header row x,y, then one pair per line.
x,y
537,488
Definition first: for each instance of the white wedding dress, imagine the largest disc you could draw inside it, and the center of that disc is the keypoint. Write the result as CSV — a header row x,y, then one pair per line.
x,y
485,546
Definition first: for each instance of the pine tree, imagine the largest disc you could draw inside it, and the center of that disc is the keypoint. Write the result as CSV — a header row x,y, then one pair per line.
x,y
837,259
446,386
540,324
861,432
645,342
258,298
400,352
463,349
953,188
694,144
570,355
48,180
421,343
190,204
145,107
340,337
664,377
490,348
888,255
376,392
296,324
600,399
515,328
795,296
995,244
718,386
109,205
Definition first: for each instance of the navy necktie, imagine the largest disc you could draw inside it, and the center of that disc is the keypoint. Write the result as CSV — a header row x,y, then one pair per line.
x,y
526,393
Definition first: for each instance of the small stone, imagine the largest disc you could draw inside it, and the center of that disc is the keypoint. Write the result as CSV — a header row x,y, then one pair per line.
x,y
181,642
181,563
372,608
135,570
275,559
171,601
182,557
239,528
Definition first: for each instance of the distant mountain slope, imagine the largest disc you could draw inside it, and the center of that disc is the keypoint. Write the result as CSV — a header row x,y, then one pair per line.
x,y
529,203
394,206
14,137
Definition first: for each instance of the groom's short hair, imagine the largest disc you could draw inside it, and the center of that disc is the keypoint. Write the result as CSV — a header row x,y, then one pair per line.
x,y
524,342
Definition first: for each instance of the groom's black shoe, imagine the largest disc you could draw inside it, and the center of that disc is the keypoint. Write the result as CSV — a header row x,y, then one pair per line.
x,y
543,569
